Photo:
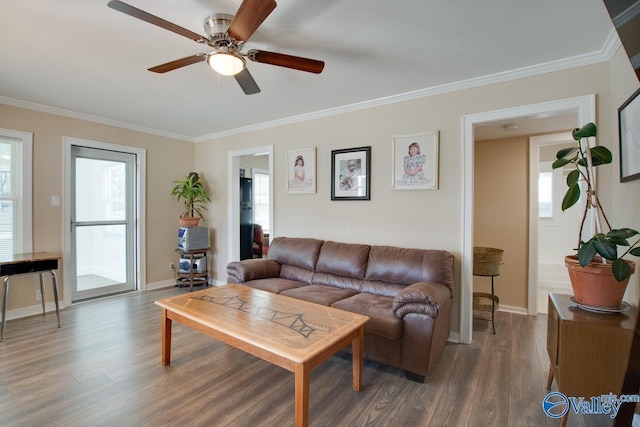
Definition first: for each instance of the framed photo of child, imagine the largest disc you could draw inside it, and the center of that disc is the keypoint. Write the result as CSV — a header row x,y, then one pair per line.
x,y
301,171
351,174
415,161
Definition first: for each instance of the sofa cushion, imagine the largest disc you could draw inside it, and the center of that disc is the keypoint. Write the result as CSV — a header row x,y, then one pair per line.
x,y
275,285
291,272
343,259
319,294
295,251
328,279
406,266
382,321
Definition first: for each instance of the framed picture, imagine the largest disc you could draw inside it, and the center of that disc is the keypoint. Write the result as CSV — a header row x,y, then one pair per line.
x,y
629,125
415,161
301,171
351,174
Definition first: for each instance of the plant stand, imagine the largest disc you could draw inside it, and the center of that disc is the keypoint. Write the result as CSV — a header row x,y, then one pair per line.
x,y
191,277
487,302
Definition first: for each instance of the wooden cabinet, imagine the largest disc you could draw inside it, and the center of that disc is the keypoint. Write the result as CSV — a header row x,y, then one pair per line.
x,y
588,351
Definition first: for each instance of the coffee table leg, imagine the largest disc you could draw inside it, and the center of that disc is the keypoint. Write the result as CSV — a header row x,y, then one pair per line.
x,y
302,395
357,346
166,338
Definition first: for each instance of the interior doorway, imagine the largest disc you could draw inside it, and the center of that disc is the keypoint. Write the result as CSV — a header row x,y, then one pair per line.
x,y
583,107
553,231
234,162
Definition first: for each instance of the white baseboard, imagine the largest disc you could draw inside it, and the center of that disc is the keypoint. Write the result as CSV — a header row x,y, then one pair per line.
x,y
49,307
454,337
160,285
514,310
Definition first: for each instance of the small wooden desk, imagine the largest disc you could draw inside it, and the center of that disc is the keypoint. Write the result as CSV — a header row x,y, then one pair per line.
x,y
293,334
37,262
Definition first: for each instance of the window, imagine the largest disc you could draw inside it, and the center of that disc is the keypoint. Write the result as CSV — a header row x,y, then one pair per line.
x,y
261,198
550,193
15,192
545,195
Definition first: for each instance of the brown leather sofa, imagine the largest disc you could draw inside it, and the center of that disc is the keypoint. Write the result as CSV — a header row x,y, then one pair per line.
x,y
405,292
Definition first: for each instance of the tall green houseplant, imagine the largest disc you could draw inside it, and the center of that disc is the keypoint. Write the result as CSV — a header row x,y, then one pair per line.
x,y
192,192
610,243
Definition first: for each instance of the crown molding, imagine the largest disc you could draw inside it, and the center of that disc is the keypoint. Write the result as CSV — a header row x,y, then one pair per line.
x,y
627,15
89,118
605,54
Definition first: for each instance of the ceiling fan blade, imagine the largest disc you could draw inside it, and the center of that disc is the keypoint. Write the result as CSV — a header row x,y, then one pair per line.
x,y
246,82
179,63
141,14
287,61
249,17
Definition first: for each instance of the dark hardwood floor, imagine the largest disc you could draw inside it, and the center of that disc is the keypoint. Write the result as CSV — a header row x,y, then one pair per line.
x,y
103,368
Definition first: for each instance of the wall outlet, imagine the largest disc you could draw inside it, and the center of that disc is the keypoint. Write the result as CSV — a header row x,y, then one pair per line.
x,y
38,295
172,266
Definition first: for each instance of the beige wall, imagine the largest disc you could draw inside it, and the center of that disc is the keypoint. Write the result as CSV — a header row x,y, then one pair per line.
x,y
422,219
167,159
622,204
501,214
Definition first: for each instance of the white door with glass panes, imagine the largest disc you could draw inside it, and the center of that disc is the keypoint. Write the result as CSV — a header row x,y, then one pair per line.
x,y
103,234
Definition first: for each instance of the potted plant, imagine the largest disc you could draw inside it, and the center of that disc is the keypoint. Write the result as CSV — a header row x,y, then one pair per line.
x,y
598,273
191,190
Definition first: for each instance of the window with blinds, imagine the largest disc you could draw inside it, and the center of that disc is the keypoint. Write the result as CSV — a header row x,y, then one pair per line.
x,y
15,192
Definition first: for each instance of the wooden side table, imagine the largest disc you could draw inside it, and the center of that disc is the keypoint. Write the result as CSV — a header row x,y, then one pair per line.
x,y
37,262
191,277
588,351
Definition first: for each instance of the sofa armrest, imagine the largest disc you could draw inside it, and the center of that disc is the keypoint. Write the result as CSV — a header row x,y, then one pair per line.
x,y
421,298
252,269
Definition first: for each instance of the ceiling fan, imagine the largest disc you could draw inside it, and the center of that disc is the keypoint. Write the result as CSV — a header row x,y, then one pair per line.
x,y
227,35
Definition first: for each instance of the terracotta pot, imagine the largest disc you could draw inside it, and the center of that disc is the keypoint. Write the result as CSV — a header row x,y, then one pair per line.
x,y
189,221
594,284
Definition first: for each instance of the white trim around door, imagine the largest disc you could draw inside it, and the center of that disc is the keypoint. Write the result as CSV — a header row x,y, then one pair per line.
x,y
583,106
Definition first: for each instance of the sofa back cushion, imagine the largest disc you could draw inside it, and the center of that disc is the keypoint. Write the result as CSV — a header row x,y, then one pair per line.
x,y
402,266
343,259
342,265
297,256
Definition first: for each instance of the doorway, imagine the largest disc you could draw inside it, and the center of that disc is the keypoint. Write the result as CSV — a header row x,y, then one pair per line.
x,y
102,229
553,231
234,160
102,211
583,107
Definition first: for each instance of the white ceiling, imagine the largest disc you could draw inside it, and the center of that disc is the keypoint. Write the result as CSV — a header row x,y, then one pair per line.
x,y
81,58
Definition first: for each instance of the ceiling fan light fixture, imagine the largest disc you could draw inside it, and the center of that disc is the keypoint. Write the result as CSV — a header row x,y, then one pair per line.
x,y
226,63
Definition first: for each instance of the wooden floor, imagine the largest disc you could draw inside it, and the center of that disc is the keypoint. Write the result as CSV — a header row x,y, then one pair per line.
x,y
103,368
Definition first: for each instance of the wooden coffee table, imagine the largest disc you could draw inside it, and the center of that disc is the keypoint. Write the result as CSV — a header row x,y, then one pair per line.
x,y
293,334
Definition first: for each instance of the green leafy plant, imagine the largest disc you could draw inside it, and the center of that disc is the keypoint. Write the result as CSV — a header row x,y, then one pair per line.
x,y
193,194
585,159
